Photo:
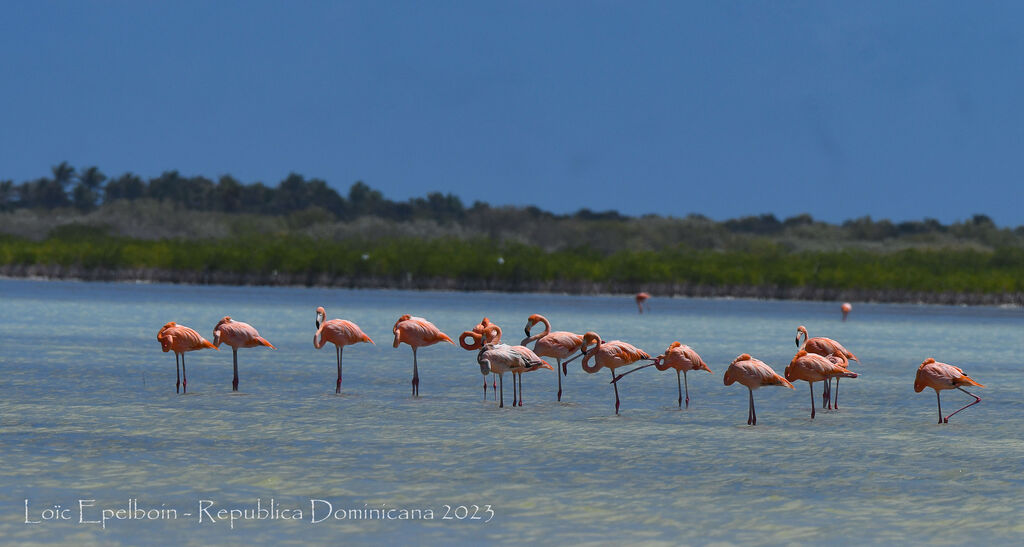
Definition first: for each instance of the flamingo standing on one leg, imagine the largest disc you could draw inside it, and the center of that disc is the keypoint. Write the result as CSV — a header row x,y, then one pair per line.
x,y
502,358
641,302
846,307
476,344
417,332
825,347
339,332
610,355
179,338
939,376
237,335
680,357
812,367
558,344
753,373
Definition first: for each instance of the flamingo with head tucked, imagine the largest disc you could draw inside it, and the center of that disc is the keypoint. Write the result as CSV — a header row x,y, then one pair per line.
x,y
812,367
609,355
237,335
417,332
339,332
825,347
753,373
939,376
180,339
558,344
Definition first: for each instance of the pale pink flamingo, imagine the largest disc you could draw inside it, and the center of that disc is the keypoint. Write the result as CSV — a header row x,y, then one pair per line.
x,y
558,344
939,376
180,339
641,302
339,332
680,357
753,373
825,347
502,358
846,307
237,335
812,367
610,355
417,332
493,336
477,342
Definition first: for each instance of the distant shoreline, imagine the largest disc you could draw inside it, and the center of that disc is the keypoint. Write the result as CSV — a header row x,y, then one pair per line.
x,y
155,275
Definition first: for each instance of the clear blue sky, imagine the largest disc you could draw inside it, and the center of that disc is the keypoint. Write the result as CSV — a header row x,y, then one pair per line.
x,y
900,110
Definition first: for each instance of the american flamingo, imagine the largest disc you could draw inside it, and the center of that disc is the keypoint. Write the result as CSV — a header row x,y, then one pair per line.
x,y
417,332
680,357
812,367
846,307
825,347
641,302
476,344
179,338
939,376
753,374
610,355
339,332
493,336
237,335
502,358
558,344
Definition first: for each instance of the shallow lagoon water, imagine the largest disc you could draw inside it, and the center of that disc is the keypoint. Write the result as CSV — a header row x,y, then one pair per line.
x,y
89,412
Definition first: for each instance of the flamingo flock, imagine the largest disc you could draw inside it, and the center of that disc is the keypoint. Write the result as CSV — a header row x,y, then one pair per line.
x,y
818,359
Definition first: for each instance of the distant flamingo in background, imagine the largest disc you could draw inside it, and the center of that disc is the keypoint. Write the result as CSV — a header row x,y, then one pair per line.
x,y
939,376
477,343
558,344
825,347
502,358
641,302
753,373
846,307
179,338
237,335
417,332
610,355
339,332
812,367
680,357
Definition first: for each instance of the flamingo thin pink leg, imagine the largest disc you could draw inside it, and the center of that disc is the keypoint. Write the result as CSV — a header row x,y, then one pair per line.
x,y
559,376
616,385
835,404
520,388
753,413
976,401
811,385
679,385
515,396
177,369
234,360
938,400
337,387
184,377
502,379
415,375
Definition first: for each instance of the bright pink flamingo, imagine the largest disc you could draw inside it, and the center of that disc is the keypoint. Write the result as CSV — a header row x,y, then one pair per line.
x,y
812,367
558,344
846,307
417,332
179,338
339,332
680,357
641,302
502,358
825,347
610,355
477,342
939,376
753,373
237,335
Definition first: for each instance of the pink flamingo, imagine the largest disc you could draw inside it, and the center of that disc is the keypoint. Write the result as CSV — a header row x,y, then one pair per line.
x,y
237,335
939,376
502,358
753,373
812,367
610,355
179,338
680,357
825,347
476,344
492,336
339,332
846,307
558,344
641,302
417,332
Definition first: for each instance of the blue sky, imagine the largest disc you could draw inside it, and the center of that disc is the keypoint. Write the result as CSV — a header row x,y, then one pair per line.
x,y
900,110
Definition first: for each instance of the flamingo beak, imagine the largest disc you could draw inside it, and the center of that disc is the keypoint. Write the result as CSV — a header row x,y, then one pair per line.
x,y
797,340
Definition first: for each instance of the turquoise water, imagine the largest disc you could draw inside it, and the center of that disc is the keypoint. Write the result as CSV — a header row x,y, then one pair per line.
x,y
89,412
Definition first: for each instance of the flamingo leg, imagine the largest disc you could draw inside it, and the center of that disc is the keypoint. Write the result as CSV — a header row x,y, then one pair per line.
x,y
337,386
559,376
938,400
753,413
502,379
976,401
234,360
415,375
826,395
184,377
616,392
835,404
515,396
177,369
520,388
811,385
687,388
494,384
679,385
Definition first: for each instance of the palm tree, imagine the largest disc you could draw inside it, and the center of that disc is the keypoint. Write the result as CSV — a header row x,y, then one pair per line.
x,y
87,192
